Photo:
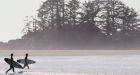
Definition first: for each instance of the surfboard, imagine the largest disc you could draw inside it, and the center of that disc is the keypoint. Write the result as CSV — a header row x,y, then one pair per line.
x,y
16,65
22,61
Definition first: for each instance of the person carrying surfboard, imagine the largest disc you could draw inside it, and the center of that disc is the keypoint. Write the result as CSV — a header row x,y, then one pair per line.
x,y
26,63
11,64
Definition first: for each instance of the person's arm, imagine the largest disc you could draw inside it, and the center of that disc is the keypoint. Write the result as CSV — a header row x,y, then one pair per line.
x,y
25,59
12,60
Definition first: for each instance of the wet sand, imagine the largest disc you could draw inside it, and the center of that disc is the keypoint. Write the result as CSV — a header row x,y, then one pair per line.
x,y
69,52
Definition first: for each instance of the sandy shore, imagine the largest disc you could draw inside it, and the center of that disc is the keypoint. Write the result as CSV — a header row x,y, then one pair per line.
x,y
69,52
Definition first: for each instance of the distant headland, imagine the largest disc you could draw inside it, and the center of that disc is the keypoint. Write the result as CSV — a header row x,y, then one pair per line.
x,y
71,25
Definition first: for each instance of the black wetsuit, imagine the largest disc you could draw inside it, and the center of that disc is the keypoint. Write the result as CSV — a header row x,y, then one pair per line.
x,y
26,63
11,65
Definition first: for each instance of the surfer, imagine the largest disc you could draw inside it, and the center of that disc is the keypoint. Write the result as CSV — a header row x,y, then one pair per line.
x,y
26,63
11,64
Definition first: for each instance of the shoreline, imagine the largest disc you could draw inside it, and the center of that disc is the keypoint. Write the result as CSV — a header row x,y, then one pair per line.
x,y
69,52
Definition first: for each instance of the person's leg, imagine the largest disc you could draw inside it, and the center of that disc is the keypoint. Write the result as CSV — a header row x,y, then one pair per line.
x,y
24,66
28,66
8,70
13,69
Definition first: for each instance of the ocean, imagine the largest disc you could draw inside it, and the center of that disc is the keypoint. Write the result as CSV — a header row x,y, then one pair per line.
x,y
78,65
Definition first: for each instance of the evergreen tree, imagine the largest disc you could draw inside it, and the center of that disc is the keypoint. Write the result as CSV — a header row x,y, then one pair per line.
x,y
129,28
72,11
51,14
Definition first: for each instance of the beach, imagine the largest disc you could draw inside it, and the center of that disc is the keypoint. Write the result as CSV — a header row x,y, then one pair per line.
x,y
78,62
69,52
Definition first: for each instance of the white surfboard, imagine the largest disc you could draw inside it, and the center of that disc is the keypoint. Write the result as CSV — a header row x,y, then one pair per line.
x,y
22,61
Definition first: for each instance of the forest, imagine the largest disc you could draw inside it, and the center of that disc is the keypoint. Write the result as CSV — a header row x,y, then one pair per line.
x,y
77,25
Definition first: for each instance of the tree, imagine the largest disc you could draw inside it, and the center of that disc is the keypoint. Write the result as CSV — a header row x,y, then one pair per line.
x,y
51,14
90,11
72,11
109,17
130,22
31,24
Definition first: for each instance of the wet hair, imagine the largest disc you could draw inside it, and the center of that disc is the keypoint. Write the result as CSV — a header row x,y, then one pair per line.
x,y
26,54
12,54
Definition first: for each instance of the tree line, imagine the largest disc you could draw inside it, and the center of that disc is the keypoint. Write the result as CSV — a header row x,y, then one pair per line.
x,y
93,24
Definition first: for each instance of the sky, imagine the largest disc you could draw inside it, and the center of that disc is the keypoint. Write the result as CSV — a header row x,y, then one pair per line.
x,y
13,12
